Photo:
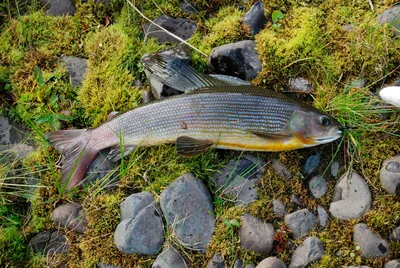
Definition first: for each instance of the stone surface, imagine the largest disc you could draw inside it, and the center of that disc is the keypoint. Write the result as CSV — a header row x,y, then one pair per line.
x,y
323,216
102,265
13,140
70,216
236,59
300,222
76,69
135,203
347,27
188,7
143,234
239,178
58,243
59,7
147,96
256,235
238,264
392,17
278,208
216,262
168,258
296,200
359,83
312,163
371,244
39,242
335,168
300,84
318,186
395,235
309,251
271,262
390,175
281,169
188,209
182,28
250,266
255,18
351,197
392,264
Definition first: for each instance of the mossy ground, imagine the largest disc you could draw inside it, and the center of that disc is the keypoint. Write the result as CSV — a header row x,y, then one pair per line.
x,y
309,42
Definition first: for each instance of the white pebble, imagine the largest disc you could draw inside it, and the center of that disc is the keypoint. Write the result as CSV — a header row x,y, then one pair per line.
x,y
391,95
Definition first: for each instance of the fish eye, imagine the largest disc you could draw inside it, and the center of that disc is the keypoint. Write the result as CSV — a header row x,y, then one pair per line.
x,y
324,120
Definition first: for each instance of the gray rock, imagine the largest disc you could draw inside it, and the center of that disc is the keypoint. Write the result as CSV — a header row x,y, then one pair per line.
x,y
255,18
351,198
361,266
390,175
256,235
281,169
182,28
70,216
100,168
134,203
188,7
187,205
300,84
216,262
168,258
347,27
58,243
142,234
395,235
250,266
392,17
39,242
76,69
238,264
278,208
236,59
311,250
312,163
335,169
102,265
59,7
359,83
11,132
371,244
239,179
300,222
392,264
323,216
296,200
147,96
271,262
318,186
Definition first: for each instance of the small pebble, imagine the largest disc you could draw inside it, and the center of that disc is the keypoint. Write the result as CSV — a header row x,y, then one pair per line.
x,y
300,84
296,200
255,18
312,163
311,250
371,244
318,186
281,169
390,174
335,169
323,216
256,235
169,258
216,262
271,262
300,222
278,208
70,216
393,264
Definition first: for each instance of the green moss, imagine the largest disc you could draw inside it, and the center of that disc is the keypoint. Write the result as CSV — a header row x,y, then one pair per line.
x,y
13,250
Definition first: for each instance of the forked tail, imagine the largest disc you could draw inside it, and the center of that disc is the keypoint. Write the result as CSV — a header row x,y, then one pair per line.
x,y
78,155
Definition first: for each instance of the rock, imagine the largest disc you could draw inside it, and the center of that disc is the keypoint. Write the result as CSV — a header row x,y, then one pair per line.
x,y
250,266
134,203
11,132
100,168
169,258
271,262
278,208
238,264
347,27
239,178
371,244
312,163
281,169
323,216
392,17
102,265
182,28
216,262
76,69
256,235
147,96
296,200
70,216
300,222
236,59
187,205
318,186
300,84
359,83
395,235
143,234
188,7
392,264
311,250
59,7
49,243
351,198
255,18
390,175
335,169
39,242
361,266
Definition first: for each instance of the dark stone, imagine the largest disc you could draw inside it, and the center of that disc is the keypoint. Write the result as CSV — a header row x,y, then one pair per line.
x,y
255,18
256,235
70,216
169,258
300,84
390,174
58,244
392,17
188,7
216,262
300,222
395,235
238,264
271,262
312,163
135,203
371,244
39,241
311,250
281,169
76,69
296,200
59,7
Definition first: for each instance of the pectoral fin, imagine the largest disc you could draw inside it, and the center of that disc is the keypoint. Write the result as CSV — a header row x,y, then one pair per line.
x,y
189,147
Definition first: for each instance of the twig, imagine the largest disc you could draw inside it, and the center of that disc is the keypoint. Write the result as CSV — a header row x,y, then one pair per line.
x,y
371,5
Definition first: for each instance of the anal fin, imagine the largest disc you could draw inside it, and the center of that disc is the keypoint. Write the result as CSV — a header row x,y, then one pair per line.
x,y
189,147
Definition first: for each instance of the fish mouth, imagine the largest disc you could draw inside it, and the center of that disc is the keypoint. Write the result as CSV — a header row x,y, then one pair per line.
x,y
337,135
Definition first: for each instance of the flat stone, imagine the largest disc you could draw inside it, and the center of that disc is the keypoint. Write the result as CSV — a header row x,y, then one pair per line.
x,y
351,197
39,242
70,216
236,59
256,235
371,244
300,222
318,186
392,17
300,84
76,69
102,265
168,258
271,262
188,207
216,262
182,28
59,7
395,235
392,264
238,264
390,175
278,208
135,203
281,169
323,216
143,234
255,18
239,178
311,250
58,244
312,163
335,168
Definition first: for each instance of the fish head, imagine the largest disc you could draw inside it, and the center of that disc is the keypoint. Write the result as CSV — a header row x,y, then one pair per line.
x,y
314,127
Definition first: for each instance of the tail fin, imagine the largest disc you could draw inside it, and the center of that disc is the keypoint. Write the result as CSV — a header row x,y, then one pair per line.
x,y
74,145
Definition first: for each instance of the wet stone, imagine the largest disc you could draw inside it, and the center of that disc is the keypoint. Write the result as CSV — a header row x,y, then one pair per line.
x,y
318,186
395,235
392,264
271,262
134,203
216,262
278,208
239,179
390,174
76,69
392,17
256,235
300,84
281,169
168,258
312,163
371,244
300,222
311,250
323,216
59,7
70,216
255,18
